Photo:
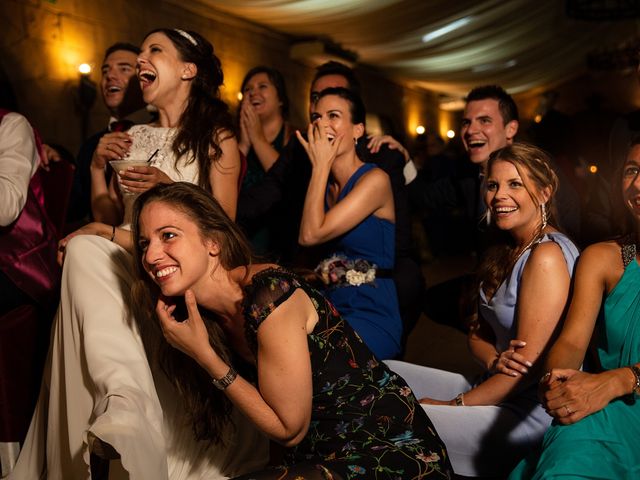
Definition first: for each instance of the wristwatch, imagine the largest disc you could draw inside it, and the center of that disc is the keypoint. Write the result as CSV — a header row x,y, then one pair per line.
x,y
225,381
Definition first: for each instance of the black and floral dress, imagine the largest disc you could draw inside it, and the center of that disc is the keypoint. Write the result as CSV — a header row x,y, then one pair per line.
x,y
365,421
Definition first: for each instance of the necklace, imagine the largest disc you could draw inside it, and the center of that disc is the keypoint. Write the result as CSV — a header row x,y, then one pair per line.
x,y
537,239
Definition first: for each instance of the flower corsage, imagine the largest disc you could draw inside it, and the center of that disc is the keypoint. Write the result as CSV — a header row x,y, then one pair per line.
x,y
340,271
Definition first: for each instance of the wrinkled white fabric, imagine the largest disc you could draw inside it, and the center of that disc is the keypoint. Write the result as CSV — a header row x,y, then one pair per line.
x,y
98,380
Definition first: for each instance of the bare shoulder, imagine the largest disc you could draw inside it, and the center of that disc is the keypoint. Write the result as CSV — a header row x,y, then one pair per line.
x,y
226,140
374,178
602,255
603,262
222,135
547,255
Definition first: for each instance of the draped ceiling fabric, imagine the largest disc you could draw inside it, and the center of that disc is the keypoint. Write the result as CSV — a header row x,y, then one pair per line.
x,y
519,44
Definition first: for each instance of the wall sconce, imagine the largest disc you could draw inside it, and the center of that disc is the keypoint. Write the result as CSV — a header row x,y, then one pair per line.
x,y
420,129
85,96
451,134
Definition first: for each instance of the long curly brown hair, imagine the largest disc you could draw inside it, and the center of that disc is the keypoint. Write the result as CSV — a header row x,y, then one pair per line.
x,y
208,408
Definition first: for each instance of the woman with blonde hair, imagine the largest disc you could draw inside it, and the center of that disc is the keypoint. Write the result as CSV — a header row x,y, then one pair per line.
x,y
489,424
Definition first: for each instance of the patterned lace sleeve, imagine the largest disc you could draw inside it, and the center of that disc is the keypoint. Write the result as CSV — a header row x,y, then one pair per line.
x,y
268,289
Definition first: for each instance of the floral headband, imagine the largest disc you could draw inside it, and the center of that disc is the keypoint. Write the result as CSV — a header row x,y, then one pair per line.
x,y
187,36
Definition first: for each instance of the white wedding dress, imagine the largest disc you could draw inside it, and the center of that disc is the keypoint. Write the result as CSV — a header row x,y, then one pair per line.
x,y
98,381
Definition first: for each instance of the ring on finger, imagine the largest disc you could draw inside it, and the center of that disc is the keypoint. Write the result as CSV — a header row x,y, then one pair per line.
x,y
569,411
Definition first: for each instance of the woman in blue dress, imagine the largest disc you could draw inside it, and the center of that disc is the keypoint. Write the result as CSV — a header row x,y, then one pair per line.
x,y
489,425
597,414
349,206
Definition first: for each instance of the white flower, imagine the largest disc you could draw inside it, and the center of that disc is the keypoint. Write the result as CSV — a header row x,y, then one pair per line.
x,y
370,276
355,278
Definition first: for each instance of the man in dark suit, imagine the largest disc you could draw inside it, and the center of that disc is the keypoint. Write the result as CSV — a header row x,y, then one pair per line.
x,y
123,99
285,185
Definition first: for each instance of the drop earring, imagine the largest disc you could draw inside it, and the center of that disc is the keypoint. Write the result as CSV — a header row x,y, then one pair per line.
x,y
487,216
543,212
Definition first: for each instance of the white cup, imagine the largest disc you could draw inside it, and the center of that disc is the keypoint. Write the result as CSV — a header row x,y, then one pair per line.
x,y
122,165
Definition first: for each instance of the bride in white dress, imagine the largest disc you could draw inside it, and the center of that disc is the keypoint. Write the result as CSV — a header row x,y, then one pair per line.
x,y
99,389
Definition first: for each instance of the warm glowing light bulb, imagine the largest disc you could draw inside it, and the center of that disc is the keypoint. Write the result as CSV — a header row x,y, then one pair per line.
x,y
593,168
420,129
451,133
84,68
537,118
240,96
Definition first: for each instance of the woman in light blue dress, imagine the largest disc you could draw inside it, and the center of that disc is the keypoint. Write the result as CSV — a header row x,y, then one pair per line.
x,y
488,425
597,413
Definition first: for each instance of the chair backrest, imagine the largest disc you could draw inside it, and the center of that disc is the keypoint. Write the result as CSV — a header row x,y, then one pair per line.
x,y
56,185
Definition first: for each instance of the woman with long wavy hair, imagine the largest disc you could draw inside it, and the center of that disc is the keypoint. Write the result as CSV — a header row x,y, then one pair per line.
x,y
288,361
102,395
490,423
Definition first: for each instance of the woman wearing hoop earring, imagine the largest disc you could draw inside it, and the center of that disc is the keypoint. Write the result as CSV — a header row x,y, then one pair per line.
x,y
523,291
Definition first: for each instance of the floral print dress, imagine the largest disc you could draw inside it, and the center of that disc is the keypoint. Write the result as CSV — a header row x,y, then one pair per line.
x,y
365,422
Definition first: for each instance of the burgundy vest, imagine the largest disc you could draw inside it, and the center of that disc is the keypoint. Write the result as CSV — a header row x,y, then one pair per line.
x,y
28,245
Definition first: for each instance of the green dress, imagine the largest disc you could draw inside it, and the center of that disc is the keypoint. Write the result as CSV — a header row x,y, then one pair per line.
x,y
603,445
365,421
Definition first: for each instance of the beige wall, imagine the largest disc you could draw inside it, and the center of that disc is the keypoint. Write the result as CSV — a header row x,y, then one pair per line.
x,y
43,41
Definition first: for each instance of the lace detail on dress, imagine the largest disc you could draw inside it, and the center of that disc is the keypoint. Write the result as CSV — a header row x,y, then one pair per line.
x,y
267,290
145,140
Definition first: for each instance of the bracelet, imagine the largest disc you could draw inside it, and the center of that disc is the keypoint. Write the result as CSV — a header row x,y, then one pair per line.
x,y
113,233
636,373
460,400
225,381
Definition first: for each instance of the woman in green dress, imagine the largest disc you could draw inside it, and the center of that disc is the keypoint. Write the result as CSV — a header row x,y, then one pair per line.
x,y
597,414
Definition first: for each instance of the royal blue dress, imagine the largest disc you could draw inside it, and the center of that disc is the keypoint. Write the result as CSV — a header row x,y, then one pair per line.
x,y
371,308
